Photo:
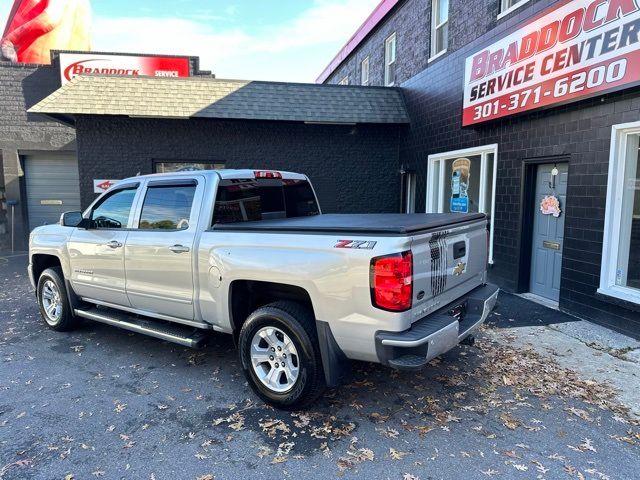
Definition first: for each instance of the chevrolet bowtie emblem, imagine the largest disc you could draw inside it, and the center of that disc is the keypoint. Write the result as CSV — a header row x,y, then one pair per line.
x,y
459,268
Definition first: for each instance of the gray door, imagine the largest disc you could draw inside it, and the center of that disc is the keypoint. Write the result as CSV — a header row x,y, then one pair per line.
x,y
53,187
548,233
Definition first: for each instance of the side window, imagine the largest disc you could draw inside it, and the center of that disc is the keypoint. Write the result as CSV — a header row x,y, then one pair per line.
x,y
113,211
167,207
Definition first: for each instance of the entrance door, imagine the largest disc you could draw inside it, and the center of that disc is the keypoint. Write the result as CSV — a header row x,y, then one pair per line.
x,y
548,231
53,187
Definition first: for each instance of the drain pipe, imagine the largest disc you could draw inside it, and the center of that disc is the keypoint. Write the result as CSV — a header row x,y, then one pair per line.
x,y
12,204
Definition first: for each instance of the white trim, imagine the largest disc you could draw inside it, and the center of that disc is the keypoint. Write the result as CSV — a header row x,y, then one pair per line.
x,y
362,70
483,151
434,28
344,81
512,8
387,63
436,56
613,214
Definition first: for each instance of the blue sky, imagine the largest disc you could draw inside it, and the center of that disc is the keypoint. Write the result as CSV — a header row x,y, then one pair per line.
x,y
248,39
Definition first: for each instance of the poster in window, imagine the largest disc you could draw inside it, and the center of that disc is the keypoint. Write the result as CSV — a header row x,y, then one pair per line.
x,y
460,185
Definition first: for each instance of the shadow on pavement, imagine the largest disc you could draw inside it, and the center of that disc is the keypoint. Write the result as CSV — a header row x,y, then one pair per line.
x,y
513,311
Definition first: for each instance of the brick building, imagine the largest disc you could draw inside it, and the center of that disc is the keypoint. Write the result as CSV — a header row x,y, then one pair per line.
x,y
526,110
99,129
586,259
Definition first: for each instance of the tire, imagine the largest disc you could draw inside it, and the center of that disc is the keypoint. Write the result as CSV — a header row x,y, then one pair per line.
x,y
51,290
297,322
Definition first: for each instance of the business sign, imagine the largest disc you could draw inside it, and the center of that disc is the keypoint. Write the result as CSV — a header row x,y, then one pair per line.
x,y
35,27
72,64
573,50
102,185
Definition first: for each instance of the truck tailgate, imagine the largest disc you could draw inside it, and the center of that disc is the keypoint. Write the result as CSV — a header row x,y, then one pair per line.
x,y
447,264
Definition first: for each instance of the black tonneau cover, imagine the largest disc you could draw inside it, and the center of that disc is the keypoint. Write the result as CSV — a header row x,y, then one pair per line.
x,y
382,223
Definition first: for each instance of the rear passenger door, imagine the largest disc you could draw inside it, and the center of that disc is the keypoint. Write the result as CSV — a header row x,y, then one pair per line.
x,y
159,250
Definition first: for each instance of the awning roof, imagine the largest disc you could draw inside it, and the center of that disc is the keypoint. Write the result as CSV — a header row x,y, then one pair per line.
x,y
206,97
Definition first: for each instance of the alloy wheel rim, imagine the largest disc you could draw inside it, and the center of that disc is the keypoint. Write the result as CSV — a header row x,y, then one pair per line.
x,y
274,359
51,302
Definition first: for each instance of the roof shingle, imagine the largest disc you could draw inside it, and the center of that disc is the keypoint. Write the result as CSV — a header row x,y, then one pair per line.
x,y
205,97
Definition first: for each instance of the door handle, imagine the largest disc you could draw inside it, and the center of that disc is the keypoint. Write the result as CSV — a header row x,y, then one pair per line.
x,y
179,249
114,244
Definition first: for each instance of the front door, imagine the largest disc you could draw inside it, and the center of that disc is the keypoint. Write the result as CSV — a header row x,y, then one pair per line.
x,y
548,230
97,252
159,252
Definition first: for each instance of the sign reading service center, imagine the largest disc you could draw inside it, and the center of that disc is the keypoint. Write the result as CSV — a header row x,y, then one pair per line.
x,y
573,50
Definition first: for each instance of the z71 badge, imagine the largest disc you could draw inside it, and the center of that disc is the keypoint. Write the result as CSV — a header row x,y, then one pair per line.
x,y
359,244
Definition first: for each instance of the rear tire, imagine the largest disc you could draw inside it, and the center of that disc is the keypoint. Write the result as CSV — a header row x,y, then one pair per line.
x,y
53,301
276,333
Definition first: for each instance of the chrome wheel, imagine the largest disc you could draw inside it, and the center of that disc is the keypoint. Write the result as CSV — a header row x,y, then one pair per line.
x,y
274,359
51,302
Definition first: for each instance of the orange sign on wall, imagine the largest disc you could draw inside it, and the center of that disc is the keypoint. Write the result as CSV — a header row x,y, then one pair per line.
x,y
35,27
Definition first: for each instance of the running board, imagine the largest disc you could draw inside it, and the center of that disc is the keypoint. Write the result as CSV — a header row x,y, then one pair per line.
x,y
188,337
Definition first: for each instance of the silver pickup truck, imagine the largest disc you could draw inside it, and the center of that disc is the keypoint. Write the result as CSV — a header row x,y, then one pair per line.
x,y
248,253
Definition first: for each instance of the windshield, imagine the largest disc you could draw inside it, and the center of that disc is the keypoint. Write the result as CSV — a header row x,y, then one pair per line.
x,y
248,200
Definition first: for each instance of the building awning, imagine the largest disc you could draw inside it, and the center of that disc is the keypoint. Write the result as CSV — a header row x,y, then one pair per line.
x,y
206,97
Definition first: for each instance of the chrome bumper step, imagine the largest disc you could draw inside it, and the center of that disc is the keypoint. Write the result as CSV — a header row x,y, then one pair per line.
x,y
171,332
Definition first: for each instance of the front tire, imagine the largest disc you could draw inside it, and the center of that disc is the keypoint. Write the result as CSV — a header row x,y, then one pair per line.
x,y
280,355
53,300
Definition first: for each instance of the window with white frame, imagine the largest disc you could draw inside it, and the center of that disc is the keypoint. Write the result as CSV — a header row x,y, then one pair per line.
x,y
344,81
439,27
364,72
508,6
620,271
464,181
390,60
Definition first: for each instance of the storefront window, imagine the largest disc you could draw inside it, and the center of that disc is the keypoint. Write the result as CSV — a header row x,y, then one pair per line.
x,y
628,268
171,167
463,181
620,276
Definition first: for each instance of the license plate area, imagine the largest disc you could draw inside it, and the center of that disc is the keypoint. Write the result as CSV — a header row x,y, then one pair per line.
x,y
459,311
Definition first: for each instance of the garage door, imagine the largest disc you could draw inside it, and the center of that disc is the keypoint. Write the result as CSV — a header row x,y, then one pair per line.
x,y
52,185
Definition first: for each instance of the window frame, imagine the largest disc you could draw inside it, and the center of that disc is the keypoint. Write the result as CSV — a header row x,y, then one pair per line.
x,y
434,28
390,39
88,213
168,181
175,182
613,214
506,11
364,61
484,152
344,80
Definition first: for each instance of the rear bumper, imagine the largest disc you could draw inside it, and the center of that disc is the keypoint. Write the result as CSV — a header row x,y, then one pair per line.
x,y
437,333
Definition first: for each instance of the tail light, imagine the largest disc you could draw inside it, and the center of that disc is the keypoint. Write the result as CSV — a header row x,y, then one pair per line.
x,y
392,281
266,174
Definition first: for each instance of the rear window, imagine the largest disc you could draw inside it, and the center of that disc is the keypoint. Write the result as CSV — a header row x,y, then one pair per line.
x,y
248,200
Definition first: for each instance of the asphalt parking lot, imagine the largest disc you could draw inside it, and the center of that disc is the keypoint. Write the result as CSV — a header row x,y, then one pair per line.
x,y
103,403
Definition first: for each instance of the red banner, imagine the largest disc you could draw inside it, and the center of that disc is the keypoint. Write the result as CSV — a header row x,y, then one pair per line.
x,y
72,64
572,51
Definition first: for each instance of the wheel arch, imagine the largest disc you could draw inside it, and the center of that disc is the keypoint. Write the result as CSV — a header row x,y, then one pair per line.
x,y
245,296
41,261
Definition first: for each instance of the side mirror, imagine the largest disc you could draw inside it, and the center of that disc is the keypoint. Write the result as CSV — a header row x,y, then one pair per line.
x,y
71,219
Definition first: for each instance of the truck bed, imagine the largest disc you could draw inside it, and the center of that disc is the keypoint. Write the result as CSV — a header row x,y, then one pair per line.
x,y
366,223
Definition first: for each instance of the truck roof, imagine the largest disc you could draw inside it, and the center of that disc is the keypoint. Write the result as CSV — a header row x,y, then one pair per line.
x,y
224,173
364,223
